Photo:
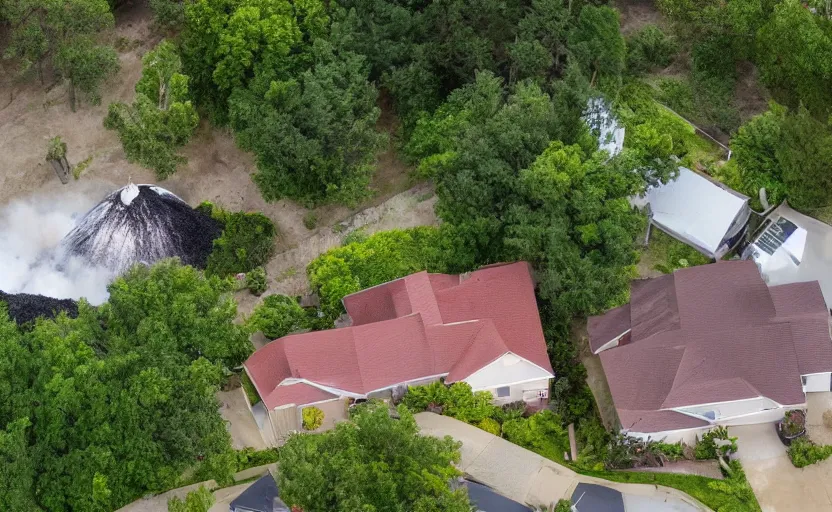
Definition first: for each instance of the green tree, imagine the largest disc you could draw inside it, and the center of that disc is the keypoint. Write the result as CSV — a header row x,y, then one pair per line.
x,y
199,500
649,48
379,258
597,44
173,310
226,42
277,316
17,468
754,152
540,48
786,152
247,241
805,157
61,33
169,13
793,55
313,133
161,119
375,463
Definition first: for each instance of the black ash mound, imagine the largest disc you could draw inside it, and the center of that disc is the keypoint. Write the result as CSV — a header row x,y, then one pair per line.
x,y
24,307
142,224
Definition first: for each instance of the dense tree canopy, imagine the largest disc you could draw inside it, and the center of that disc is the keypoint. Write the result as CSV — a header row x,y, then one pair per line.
x,y
294,95
512,186
101,409
161,118
373,463
786,152
62,33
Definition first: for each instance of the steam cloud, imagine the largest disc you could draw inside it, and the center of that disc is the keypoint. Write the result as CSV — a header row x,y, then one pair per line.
x,y
31,257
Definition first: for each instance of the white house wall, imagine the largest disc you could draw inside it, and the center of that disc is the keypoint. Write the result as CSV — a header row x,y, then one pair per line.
x,y
817,382
507,370
727,410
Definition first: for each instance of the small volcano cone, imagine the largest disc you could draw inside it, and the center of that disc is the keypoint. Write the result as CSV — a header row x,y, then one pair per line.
x,y
142,224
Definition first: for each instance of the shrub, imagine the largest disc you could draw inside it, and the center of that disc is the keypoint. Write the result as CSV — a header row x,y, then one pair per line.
x,y
804,452
468,406
673,451
169,13
313,418
542,433
419,398
277,316
247,241
56,149
457,401
250,390
793,423
563,506
310,220
649,48
490,426
715,444
251,458
199,500
256,281
379,258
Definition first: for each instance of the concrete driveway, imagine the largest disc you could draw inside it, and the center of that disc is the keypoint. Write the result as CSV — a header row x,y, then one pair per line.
x,y
526,477
778,485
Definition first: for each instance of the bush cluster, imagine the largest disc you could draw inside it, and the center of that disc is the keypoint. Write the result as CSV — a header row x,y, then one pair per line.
x,y
804,452
277,316
649,48
247,241
313,418
369,261
256,281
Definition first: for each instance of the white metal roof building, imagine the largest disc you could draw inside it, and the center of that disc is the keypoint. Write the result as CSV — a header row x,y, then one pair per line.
x,y
793,248
698,211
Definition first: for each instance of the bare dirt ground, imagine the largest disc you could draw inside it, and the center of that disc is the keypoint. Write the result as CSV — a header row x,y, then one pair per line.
x,y
287,270
596,379
635,14
217,171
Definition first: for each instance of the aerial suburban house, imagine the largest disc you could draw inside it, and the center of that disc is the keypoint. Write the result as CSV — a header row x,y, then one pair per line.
x,y
482,328
712,345
698,211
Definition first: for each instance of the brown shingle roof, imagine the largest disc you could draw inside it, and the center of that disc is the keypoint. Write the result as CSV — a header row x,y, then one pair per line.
x,y
730,338
608,326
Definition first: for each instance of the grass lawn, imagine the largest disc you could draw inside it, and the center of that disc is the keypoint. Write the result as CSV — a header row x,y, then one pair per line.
x,y
665,254
249,388
732,494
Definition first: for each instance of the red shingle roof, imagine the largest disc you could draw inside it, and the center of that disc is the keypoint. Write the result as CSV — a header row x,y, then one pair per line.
x,y
717,334
423,325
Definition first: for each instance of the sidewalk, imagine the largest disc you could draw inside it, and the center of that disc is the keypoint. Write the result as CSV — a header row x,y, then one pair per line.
x,y
526,477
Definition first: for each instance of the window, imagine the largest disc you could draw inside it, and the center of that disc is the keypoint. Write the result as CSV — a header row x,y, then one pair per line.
x,y
503,392
803,379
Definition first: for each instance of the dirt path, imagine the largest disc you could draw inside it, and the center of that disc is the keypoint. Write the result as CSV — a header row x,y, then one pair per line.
x,y
287,270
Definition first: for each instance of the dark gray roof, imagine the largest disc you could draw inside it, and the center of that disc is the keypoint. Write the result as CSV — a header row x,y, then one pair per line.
x,y
485,499
596,498
261,496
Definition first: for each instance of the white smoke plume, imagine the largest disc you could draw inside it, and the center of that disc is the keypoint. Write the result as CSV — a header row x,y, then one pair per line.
x,y
31,230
